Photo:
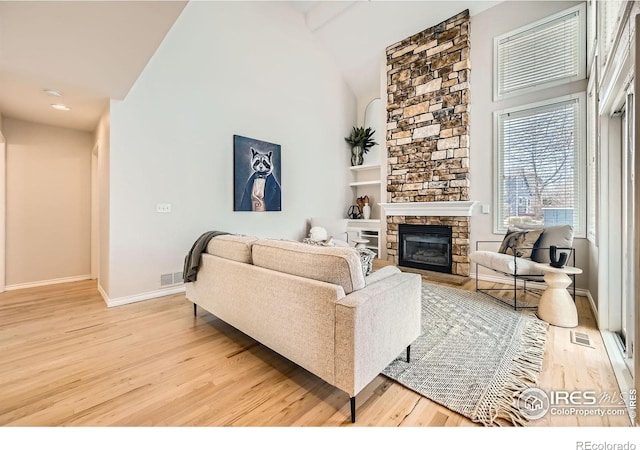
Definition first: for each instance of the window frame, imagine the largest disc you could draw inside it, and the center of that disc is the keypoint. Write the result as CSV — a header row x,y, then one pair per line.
x,y
593,160
582,53
580,161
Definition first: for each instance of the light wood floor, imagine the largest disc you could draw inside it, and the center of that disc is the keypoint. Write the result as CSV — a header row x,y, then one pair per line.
x,y
67,359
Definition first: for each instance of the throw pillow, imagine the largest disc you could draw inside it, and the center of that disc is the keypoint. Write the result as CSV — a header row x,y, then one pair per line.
x,y
520,243
558,235
324,243
366,258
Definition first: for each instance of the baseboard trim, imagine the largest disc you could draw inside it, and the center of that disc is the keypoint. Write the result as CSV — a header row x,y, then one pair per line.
x,y
15,287
111,302
594,308
104,295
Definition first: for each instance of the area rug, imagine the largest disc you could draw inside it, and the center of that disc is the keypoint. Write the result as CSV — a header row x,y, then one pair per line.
x,y
475,355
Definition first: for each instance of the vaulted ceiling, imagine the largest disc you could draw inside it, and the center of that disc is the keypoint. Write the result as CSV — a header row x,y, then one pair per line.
x,y
95,50
89,50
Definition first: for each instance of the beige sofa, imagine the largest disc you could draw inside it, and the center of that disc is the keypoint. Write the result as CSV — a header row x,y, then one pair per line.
x,y
313,305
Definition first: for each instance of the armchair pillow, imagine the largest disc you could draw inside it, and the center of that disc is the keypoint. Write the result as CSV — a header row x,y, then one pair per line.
x,y
520,243
558,235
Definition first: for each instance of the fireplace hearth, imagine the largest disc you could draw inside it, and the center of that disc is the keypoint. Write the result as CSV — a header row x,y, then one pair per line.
x,y
427,247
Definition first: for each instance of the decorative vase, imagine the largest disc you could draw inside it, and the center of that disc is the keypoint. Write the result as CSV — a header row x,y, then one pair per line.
x,y
357,157
558,260
366,211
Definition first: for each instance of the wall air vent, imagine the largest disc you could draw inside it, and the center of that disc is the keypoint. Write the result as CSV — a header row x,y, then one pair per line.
x,y
166,279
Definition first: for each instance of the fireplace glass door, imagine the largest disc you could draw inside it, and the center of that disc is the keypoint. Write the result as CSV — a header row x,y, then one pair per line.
x,y
426,247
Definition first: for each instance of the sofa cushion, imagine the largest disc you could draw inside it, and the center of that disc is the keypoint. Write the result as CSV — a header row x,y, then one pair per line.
x,y
336,265
505,263
231,246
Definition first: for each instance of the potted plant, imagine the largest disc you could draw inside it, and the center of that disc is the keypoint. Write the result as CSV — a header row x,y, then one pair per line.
x,y
361,141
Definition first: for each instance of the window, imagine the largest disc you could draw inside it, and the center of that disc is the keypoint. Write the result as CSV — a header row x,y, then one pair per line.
x,y
592,162
543,54
611,13
540,160
592,9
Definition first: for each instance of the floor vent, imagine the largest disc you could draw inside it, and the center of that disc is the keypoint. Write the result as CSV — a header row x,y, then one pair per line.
x,y
581,339
166,279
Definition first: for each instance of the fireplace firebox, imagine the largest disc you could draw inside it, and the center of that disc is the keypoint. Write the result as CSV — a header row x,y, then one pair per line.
x,y
426,247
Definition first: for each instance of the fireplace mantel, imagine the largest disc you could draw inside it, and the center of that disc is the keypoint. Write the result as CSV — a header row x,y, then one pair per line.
x,y
430,209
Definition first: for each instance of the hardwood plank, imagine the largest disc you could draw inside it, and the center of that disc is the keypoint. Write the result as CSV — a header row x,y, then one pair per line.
x,y
67,359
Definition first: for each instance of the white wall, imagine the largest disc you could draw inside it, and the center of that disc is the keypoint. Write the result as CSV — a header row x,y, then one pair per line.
x,y
225,68
484,27
48,202
3,205
102,141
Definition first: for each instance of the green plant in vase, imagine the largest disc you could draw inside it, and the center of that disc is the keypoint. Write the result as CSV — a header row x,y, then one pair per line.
x,y
361,141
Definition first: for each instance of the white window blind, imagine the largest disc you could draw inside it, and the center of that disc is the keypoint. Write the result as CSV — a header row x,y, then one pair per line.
x,y
539,152
545,53
610,16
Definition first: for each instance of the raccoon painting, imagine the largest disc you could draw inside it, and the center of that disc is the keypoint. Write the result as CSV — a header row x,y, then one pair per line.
x,y
262,190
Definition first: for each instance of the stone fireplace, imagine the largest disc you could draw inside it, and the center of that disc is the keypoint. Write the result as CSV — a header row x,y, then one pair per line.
x,y
428,136
454,214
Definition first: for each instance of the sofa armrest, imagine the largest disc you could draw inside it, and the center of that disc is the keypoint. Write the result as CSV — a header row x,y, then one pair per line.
x,y
373,326
381,274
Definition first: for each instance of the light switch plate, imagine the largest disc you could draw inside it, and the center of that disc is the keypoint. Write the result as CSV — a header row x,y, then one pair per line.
x,y
486,208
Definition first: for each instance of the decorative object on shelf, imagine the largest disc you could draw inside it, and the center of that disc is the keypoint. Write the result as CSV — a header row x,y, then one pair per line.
x,y
361,141
256,172
354,212
557,260
366,209
357,157
360,202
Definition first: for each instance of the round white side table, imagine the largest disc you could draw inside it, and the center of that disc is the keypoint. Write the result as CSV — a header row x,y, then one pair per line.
x,y
360,243
556,305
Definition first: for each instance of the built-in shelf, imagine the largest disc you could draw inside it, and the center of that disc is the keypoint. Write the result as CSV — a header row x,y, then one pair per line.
x,y
364,183
363,222
364,167
366,179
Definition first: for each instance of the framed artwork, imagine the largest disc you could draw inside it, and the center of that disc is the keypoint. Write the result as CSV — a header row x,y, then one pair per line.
x,y
256,175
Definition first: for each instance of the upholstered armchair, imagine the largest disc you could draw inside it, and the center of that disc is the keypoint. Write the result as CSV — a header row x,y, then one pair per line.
x,y
517,256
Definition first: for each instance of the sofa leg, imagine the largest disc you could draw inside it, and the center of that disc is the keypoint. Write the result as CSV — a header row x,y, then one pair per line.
x,y
408,353
195,310
353,409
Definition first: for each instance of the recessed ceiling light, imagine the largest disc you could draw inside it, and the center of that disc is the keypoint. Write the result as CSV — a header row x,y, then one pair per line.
x,y
60,107
53,92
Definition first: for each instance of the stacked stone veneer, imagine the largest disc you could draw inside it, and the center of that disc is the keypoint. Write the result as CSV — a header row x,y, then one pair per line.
x,y
428,128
